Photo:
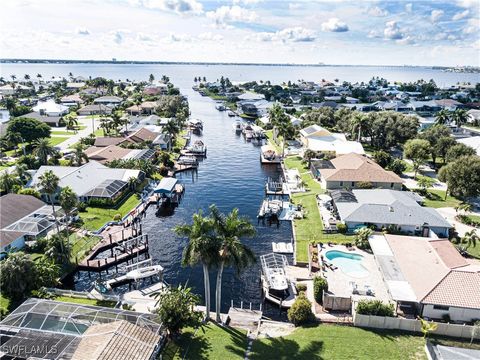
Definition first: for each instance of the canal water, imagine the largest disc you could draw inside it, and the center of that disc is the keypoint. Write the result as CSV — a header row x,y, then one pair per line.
x,y
231,176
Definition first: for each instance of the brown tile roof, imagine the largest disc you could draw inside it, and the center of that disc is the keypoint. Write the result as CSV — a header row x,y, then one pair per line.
x,y
448,254
14,207
355,167
457,288
106,141
116,340
7,237
106,154
143,135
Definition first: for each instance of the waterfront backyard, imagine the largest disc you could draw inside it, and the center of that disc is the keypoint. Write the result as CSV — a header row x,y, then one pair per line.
x,y
308,342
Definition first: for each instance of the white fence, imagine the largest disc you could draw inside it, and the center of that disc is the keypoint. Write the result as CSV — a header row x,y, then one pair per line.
x,y
383,322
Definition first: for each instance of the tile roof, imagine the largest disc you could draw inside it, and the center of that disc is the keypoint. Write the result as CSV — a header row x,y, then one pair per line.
x,y
457,288
355,167
107,140
143,134
106,154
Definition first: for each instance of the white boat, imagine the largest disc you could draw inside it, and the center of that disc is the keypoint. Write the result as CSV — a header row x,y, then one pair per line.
x,y
270,208
195,125
231,113
187,160
269,155
237,126
198,147
276,285
220,107
145,272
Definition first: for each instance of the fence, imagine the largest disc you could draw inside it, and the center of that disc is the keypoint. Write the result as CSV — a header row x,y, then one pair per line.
x,y
413,325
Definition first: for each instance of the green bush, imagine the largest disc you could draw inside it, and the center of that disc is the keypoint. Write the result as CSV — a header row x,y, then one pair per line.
x,y
375,307
117,217
342,228
101,203
301,311
81,206
320,285
301,288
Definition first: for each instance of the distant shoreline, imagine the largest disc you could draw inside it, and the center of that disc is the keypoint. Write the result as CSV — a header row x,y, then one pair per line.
x,y
139,62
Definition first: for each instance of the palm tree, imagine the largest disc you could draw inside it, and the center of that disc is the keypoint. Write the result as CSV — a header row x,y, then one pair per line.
x,y
359,121
132,182
308,155
471,238
8,181
465,207
71,121
39,77
13,139
202,248
459,117
79,154
68,202
43,149
49,183
229,229
21,171
26,77
287,131
443,117
171,128
13,77
427,327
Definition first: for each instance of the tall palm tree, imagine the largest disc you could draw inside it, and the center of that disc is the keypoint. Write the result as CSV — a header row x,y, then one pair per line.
x,y
14,77
71,121
68,202
359,121
39,77
229,229
443,117
459,117
49,183
79,155
171,128
26,77
471,238
202,248
8,181
21,171
43,149
287,131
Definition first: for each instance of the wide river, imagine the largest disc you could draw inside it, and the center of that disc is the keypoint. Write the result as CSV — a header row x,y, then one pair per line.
x,y
231,176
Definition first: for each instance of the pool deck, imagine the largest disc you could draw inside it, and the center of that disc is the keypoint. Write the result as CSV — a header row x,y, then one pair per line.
x,y
339,281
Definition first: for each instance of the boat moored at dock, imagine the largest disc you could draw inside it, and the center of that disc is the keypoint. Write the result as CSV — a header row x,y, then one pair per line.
x,y
277,288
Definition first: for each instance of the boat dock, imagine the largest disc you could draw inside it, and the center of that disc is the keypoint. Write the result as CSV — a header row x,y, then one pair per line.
x,y
136,272
247,319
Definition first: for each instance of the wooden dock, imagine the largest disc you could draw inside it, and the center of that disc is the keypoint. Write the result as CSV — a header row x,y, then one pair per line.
x,y
244,318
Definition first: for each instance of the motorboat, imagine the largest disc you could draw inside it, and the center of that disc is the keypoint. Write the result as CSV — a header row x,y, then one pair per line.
x,y
145,272
268,155
187,160
277,288
198,148
195,125
231,113
237,126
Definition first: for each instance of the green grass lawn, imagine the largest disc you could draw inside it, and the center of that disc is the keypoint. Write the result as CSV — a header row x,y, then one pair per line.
x,y
340,342
437,199
4,304
54,141
61,132
83,301
310,228
81,245
94,218
210,342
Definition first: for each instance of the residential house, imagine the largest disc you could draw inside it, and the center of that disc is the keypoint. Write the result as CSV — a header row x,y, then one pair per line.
x,y
50,108
147,107
159,89
108,100
89,181
351,170
449,104
387,209
113,152
151,134
474,117
79,332
473,142
428,277
105,141
320,140
75,85
95,109
425,108
72,100
23,218
254,108
393,106
50,120
331,104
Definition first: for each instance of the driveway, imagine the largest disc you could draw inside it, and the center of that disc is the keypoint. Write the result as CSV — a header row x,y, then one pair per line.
x,y
449,214
82,121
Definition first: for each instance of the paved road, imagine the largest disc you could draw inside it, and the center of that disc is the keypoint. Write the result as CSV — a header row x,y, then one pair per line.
x,y
449,214
82,121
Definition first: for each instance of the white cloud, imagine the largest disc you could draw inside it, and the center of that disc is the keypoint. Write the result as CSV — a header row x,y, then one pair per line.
x,y
144,37
436,15
294,6
392,31
177,6
295,34
117,36
210,36
246,2
334,25
376,11
235,13
373,34
461,15
407,40
409,7
468,3
473,26
82,31
179,38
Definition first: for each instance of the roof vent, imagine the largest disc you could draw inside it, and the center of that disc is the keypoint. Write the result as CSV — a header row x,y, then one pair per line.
x,y
390,208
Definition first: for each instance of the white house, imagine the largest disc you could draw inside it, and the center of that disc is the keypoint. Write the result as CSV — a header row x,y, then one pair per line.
x,y
319,139
428,277
50,108
108,100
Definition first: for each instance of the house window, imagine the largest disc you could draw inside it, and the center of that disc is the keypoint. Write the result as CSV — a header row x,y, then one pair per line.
x,y
441,307
353,184
391,185
341,183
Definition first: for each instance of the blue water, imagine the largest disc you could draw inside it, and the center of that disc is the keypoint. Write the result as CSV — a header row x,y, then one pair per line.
x,y
350,264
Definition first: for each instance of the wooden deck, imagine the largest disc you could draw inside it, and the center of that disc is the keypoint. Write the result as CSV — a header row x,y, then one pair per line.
x,y
244,318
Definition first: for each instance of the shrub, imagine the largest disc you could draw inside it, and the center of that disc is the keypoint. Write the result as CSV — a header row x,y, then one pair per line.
x,y
102,203
320,285
81,206
117,217
342,228
301,288
361,238
301,311
375,307
364,185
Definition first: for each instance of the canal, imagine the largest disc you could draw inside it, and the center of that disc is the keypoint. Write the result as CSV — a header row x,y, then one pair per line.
x,y
230,177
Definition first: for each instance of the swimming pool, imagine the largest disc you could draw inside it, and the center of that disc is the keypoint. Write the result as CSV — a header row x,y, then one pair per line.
x,y
349,263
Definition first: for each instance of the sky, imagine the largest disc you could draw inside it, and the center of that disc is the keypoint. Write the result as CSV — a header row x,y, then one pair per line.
x,y
442,33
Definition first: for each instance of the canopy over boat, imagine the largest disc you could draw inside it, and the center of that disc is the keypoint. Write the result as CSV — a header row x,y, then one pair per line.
x,y
166,186
268,148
